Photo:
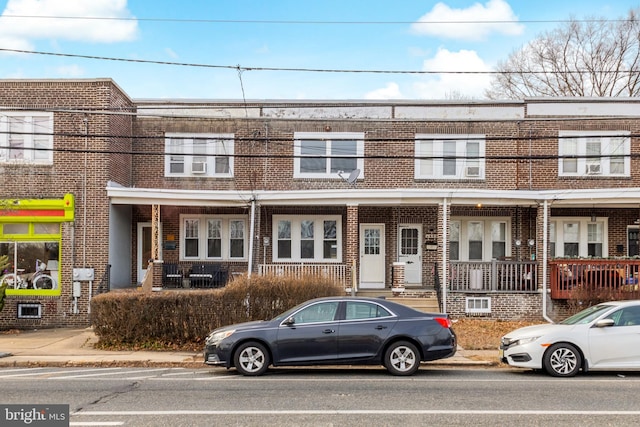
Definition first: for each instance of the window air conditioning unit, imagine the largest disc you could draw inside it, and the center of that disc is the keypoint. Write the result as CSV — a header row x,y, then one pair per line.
x,y
593,169
198,167
472,171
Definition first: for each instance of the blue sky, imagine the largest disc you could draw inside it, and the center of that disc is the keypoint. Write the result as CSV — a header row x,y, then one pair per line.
x,y
366,35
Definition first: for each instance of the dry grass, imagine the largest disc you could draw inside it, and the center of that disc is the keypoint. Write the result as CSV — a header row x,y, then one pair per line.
x,y
484,334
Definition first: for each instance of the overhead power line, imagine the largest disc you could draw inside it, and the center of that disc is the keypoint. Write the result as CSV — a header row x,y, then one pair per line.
x,y
240,68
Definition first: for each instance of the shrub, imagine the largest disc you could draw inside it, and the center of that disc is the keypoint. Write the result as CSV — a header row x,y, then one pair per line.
x,y
182,319
582,297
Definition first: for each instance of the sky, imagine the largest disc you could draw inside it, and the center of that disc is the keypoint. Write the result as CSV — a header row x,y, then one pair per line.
x,y
279,49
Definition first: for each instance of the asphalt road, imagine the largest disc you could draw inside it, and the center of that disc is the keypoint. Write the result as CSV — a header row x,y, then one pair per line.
x,y
326,397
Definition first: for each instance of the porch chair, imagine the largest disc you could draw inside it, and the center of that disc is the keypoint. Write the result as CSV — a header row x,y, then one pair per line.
x,y
210,275
171,276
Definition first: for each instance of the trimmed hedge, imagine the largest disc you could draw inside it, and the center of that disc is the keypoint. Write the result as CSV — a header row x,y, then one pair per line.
x,y
183,319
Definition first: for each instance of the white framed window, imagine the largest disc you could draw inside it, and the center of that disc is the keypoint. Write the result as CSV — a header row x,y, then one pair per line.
x,y
302,238
594,153
578,237
26,137
325,154
199,155
479,238
449,157
213,237
478,305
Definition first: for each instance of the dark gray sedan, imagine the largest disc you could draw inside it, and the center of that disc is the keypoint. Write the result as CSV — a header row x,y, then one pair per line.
x,y
332,331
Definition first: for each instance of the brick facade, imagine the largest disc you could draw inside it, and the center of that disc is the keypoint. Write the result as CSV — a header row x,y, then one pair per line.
x,y
109,152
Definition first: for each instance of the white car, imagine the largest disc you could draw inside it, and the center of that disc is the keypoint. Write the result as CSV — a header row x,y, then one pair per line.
x,y
603,337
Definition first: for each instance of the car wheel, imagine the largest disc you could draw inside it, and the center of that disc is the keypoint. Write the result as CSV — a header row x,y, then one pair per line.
x,y
562,360
402,358
251,358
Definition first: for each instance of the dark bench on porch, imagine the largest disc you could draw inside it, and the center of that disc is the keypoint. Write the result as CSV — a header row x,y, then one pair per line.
x,y
200,275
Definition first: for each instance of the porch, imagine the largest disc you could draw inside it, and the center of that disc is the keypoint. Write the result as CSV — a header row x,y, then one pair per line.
x,y
495,275
594,275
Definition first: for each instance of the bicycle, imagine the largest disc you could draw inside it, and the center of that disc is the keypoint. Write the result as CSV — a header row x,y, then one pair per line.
x,y
39,279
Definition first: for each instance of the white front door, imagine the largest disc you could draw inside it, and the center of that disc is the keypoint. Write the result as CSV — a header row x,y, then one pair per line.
x,y
144,248
410,252
372,256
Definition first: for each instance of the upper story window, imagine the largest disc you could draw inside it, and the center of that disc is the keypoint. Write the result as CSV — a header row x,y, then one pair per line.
x,y
450,156
594,153
26,137
324,155
192,155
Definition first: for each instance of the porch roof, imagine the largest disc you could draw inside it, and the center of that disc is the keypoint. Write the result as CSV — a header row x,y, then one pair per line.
x,y
611,197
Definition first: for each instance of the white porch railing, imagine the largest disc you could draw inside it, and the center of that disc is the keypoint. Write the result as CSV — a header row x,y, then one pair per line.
x,y
336,272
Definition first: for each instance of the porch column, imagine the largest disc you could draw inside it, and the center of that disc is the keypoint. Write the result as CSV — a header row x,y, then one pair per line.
x,y
351,239
155,247
444,212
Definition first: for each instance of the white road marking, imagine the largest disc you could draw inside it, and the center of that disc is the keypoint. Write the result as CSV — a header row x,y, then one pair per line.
x,y
109,373
355,412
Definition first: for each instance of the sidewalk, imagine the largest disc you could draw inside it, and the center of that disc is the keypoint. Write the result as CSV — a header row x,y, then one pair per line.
x,y
75,347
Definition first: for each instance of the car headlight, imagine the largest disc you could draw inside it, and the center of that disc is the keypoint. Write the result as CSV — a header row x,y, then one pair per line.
x,y
523,341
215,337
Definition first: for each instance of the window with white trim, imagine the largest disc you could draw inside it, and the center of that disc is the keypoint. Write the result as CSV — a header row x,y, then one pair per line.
x,y
594,153
213,237
199,155
26,137
307,238
478,305
325,155
578,237
479,239
449,156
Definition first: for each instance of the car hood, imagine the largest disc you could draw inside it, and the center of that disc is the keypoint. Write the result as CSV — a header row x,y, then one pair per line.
x,y
538,330
245,326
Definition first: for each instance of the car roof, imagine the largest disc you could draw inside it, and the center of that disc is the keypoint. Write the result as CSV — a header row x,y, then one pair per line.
x,y
397,308
622,303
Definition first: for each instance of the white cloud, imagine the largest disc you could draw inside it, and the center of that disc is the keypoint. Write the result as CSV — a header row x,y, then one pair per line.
x,y
171,53
20,31
441,86
391,91
70,71
473,23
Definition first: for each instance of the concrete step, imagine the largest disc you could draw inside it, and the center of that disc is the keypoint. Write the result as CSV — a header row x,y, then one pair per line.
x,y
426,305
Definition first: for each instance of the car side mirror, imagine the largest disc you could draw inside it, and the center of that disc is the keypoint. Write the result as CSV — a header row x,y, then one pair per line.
x,y
289,321
604,323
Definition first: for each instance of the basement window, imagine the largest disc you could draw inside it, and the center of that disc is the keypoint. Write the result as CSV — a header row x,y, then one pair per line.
x,y
475,305
29,311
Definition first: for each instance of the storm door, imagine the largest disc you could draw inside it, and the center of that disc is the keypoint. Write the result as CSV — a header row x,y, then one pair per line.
x,y
410,253
372,256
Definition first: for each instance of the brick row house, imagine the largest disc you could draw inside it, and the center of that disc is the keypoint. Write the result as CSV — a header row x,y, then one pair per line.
x,y
495,208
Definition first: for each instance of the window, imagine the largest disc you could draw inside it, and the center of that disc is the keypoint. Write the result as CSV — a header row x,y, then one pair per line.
x,y
204,155
26,137
578,237
467,239
316,313
479,305
594,153
357,310
206,237
307,238
324,155
33,251
449,157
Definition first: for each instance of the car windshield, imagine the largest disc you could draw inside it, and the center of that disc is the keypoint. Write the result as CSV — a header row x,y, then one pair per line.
x,y
586,315
289,312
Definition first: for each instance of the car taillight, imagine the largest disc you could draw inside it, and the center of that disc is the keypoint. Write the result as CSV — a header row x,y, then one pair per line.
x,y
445,322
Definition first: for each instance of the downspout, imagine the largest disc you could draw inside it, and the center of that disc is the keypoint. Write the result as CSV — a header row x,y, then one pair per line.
x,y
252,231
444,255
545,238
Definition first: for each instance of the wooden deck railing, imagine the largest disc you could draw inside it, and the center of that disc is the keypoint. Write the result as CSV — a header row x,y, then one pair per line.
x,y
601,275
336,272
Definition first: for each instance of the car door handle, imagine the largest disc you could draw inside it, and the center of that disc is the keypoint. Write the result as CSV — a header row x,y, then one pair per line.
x,y
379,327
328,331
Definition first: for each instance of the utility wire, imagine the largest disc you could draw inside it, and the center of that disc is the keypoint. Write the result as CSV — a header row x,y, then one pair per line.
x,y
312,70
